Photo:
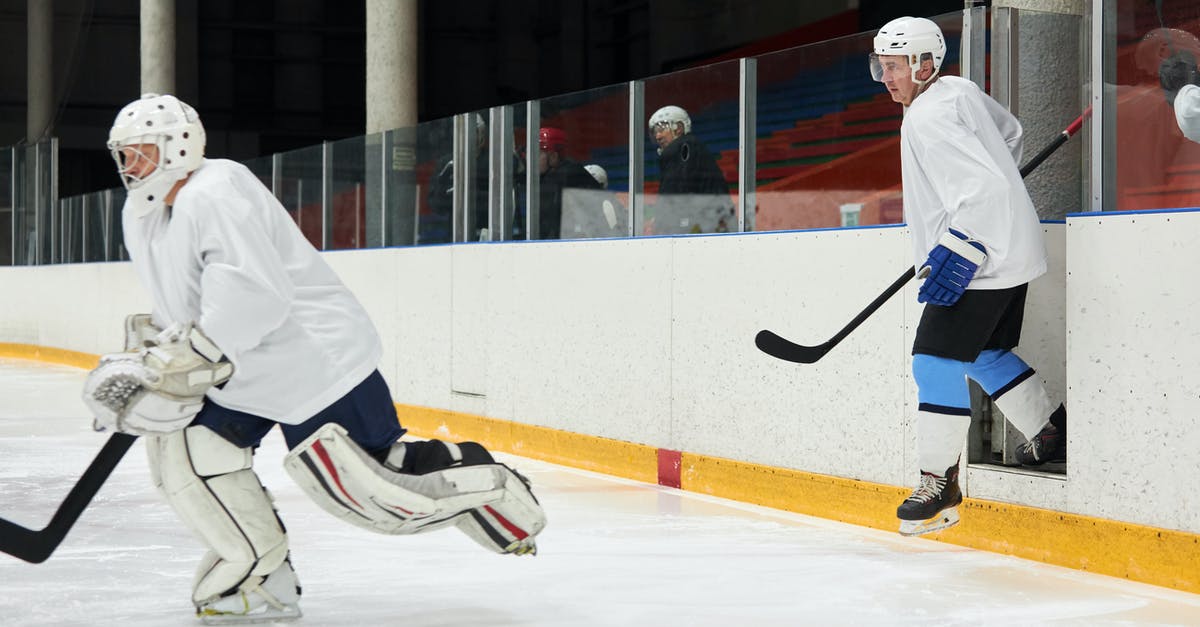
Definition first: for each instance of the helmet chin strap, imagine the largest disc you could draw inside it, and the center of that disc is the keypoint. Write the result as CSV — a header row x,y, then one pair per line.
x,y
153,193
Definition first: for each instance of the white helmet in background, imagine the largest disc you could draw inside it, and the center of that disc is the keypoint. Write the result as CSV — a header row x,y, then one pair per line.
x,y
170,125
598,173
914,37
671,116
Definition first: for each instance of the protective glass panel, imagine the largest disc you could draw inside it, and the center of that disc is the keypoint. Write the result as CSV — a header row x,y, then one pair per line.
x,y
348,211
71,225
6,206
1150,67
434,175
102,225
300,190
399,191
32,240
262,167
828,135
691,154
116,243
582,165
521,172
474,214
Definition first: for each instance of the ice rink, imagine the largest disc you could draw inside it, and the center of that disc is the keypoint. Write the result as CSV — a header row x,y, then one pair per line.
x,y
615,552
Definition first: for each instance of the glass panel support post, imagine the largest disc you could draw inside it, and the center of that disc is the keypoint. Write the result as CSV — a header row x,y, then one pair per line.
x,y
637,156
747,142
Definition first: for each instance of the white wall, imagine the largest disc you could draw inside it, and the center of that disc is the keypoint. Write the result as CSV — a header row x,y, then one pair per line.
x,y
650,340
1132,305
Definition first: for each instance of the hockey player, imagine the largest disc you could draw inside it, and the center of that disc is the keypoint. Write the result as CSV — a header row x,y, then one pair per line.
x,y
692,195
978,242
251,328
1181,81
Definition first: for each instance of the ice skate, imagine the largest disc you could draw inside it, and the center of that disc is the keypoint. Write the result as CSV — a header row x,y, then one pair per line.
x,y
1049,445
932,506
258,600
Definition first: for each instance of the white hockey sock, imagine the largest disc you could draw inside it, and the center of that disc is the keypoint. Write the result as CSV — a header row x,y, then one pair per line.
x,y
940,439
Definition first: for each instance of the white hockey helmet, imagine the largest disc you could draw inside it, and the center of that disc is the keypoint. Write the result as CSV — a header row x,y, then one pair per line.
x,y
913,37
598,173
671,116
170,125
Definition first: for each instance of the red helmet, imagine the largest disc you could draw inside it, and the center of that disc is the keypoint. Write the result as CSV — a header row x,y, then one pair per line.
x,y
551,138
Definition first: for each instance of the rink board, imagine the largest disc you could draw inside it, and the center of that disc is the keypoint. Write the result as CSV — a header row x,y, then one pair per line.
x,y
606,354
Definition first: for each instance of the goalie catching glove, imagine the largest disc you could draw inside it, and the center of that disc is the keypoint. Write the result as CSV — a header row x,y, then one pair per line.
x,y
159,388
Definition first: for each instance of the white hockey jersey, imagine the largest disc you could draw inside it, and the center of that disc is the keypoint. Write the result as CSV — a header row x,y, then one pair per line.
x,y
1187,111
958,152
229,257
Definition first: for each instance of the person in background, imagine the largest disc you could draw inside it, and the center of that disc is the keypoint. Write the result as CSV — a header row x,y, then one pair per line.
x,y
441,192
978,243
559,173
1181,83
693,196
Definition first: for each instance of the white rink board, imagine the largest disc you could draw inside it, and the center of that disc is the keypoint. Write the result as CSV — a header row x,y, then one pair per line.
x,y
844,415
1132,307
79,307
650,340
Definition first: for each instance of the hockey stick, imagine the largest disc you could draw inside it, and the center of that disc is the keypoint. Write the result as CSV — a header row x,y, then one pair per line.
x,y
36,546
776,346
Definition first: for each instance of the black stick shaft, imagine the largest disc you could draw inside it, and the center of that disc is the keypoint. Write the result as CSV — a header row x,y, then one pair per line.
x,y
36,546
781,348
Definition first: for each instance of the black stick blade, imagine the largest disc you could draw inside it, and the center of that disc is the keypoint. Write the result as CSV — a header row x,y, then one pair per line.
x,y
779,348
35,546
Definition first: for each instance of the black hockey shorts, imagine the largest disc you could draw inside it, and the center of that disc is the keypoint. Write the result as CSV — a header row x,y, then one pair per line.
x,y
366,412
980,320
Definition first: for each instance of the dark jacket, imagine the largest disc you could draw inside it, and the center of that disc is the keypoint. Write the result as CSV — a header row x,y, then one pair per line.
x,y
568,175
689,172
437,227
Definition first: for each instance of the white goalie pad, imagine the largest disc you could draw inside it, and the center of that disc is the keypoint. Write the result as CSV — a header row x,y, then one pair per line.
x,y
158,389
350,484
510,524
210,484
140,331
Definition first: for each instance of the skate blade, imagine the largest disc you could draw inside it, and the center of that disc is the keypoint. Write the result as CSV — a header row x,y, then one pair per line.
x,y
272,615
522,547
944,519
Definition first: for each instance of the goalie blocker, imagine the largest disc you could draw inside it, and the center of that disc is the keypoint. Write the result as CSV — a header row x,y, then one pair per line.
x,y
488,501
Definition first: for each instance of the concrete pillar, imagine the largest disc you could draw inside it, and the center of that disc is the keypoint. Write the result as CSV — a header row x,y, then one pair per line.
x,y
158,46
391,64
40,70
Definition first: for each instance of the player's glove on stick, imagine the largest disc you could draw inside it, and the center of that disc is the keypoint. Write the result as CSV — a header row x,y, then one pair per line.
x,y
952,264
1177,70
159,388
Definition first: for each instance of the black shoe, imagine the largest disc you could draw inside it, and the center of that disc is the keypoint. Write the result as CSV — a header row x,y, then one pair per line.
x,y
931,506
1049,445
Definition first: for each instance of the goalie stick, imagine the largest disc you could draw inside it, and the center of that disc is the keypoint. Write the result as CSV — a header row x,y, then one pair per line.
x,y
36,546
776,346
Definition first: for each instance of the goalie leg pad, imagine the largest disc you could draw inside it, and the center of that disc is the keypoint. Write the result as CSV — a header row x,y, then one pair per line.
x,y
510,524
210,484
351,484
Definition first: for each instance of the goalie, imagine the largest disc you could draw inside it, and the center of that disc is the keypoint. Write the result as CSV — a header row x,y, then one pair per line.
x,y
251,329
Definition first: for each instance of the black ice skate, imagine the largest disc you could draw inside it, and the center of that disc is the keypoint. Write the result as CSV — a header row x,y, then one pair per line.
x,y
932,505
1049,445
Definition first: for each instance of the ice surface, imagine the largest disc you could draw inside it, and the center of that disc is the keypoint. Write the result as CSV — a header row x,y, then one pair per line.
x,y
615,552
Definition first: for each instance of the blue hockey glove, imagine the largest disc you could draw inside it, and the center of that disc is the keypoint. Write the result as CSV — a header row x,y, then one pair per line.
x,y
952,265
